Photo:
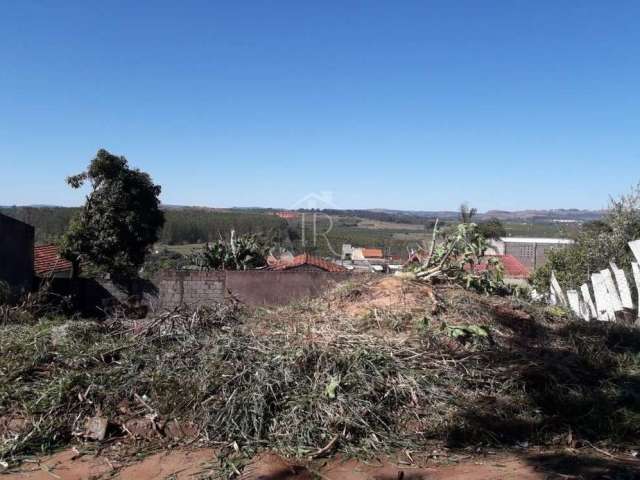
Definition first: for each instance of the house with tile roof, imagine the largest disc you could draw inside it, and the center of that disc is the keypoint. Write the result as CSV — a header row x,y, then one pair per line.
x,y
531,252
350,252
47,262
513,268
307,263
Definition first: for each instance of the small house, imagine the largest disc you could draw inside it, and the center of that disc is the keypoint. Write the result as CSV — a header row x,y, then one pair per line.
x,y
307,263
47,263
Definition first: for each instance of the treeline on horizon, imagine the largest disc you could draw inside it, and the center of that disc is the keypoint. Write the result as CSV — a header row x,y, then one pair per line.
x,y
182,226
378,216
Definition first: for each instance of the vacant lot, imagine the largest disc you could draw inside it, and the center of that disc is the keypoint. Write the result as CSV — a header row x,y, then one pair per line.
x,y
378,368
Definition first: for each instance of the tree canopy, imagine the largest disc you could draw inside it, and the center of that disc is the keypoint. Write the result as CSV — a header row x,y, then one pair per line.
x,y
492,229
597,244
120,220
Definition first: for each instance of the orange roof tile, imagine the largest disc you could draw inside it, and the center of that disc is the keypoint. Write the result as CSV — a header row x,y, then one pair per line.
x,y
287,215
46,260
372,253
306,259
513,268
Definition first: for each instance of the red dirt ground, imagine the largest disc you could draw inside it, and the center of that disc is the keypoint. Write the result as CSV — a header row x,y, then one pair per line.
x,y
201,463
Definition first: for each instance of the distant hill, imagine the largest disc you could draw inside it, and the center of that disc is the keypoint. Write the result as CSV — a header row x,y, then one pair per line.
x,y
420,217
555,214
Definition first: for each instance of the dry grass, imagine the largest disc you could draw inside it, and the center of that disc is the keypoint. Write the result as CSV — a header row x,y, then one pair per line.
x,y
308,376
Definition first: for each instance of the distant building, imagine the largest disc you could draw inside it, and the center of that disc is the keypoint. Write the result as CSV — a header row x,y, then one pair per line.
x,y
368,253
531,252
513,268
47,263
287,215
307,263
361,253
16,254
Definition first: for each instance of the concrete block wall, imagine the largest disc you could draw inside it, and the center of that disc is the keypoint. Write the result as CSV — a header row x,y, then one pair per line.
x,y
260,287
252,287
191,288
170,289
531,255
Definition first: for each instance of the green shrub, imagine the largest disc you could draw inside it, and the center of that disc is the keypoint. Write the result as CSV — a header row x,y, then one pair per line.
x,y
597,244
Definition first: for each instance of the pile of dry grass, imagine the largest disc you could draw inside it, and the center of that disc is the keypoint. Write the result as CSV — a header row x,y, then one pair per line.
x,y
308,379
32,306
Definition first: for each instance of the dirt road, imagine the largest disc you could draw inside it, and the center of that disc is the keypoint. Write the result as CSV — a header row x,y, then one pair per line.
x,y
202,463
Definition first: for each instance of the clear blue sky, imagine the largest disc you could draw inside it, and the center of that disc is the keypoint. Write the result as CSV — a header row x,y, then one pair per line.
x,y
397,104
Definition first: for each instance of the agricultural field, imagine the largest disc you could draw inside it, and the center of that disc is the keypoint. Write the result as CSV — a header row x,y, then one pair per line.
x,y
397,238
186,249
536,229
187,228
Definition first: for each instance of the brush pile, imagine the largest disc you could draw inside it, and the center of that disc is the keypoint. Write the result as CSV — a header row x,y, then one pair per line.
x,y
308,380
30,307
456,260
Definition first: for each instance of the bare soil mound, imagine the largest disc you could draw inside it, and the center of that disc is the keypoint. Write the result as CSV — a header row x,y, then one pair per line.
x,y
383,293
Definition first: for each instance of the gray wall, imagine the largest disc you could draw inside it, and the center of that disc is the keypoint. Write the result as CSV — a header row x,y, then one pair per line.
x,y
260,287
531,255
16,254
191,288
252,287
170,289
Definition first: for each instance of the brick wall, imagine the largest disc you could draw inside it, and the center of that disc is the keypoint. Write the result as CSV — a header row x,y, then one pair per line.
x,y
259,287
191,288
171,289
252,287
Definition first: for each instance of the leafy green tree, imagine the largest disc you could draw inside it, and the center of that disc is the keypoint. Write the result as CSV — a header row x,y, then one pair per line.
x,y
597,244
492,229
120,220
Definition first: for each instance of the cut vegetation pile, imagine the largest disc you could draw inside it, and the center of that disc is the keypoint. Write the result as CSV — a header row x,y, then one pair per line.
x,y
314,378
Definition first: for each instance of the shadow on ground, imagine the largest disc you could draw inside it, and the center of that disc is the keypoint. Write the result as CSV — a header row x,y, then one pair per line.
x,y
579,383
567,466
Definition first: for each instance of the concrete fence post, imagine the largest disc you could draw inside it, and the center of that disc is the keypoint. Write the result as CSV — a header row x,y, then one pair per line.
x,y
635,248
614,296
557,295
603,305
635,266
574,301
586,295
623,286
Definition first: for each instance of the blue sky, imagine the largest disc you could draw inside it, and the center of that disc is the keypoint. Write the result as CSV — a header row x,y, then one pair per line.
x,y
410,105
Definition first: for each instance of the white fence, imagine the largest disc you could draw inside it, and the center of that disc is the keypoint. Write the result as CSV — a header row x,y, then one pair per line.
x,y
611,292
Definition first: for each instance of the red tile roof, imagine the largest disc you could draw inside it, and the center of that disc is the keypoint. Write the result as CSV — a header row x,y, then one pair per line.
x,y
512,266
46,260
306,259
287,215
372,253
